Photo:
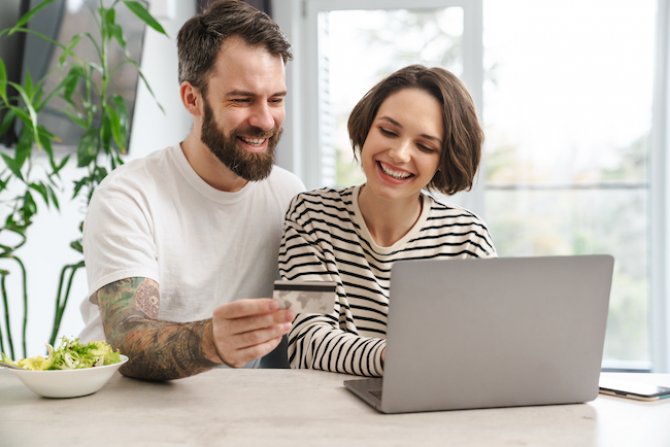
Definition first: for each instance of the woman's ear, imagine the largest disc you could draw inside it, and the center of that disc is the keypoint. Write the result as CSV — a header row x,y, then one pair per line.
x,y
191,98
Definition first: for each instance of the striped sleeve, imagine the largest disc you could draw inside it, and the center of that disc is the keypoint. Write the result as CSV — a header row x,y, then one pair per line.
x,y
318,341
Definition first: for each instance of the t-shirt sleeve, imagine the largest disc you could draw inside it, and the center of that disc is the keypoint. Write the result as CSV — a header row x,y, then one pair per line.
x,y
118,237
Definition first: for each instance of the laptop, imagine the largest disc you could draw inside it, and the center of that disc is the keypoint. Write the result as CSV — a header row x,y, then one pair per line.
x,y
495,332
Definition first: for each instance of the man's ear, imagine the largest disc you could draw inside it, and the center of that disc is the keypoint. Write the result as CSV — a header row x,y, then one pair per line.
x,y
191,98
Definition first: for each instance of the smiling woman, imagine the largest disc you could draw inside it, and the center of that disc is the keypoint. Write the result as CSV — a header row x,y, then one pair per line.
x,y
415,129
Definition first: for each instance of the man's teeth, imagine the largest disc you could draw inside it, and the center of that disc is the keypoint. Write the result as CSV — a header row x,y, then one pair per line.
x,y
254,141
395,174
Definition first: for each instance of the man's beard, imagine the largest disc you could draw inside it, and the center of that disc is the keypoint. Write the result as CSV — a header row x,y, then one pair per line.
x,y
248,165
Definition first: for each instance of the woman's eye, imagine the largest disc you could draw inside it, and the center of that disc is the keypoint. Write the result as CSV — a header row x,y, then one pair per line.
x,y
387,132
427,149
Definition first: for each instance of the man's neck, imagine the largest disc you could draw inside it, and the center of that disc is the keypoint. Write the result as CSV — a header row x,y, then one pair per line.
x,y
208,167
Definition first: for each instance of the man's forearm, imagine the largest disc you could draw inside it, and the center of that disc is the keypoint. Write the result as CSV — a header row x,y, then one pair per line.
x,y
158,350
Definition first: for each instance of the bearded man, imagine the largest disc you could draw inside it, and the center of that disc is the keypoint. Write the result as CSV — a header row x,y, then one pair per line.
x,y
181,246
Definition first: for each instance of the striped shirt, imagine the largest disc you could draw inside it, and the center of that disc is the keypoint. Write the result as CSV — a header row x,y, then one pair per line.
x,y
325,238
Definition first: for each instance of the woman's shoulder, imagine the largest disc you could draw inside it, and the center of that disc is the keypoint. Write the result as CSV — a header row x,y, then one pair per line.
x,y
326,196
441,210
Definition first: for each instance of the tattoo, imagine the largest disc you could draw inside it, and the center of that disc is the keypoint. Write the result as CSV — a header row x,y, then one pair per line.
x,y
157,349
147,298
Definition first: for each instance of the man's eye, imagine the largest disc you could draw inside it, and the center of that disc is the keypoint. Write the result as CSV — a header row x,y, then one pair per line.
x,y
241,100
276,100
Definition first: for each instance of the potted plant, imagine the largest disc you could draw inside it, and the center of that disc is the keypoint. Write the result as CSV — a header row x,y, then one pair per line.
x,y
25,179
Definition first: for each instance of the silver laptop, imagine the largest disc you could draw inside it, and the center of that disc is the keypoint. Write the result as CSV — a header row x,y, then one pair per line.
x,y
501,332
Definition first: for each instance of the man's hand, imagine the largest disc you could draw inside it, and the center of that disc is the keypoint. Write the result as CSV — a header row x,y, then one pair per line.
x,y
247,329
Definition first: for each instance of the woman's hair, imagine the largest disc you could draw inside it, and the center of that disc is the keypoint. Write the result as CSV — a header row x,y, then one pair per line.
x,y
463,136
200,38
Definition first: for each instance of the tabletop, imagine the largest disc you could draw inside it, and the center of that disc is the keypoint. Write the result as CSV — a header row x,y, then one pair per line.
x,y
274,407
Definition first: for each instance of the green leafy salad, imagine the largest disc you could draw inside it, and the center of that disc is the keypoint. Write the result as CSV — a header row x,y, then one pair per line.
x,y
70,354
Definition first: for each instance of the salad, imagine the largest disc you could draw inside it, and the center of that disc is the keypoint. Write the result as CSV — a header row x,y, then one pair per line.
x,y
70,354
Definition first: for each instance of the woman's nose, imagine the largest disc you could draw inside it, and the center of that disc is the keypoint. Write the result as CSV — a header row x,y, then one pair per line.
x,y
401,152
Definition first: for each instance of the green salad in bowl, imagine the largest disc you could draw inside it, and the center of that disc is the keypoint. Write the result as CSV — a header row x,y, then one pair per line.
x,y
70,354
71,369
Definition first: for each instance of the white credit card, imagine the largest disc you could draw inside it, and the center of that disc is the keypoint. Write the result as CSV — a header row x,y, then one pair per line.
x,y
314,297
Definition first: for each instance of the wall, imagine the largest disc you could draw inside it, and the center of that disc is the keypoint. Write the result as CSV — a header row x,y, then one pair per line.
x,y
48,247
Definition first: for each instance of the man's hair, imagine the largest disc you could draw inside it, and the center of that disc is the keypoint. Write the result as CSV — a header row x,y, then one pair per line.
x,y
200,38
463,137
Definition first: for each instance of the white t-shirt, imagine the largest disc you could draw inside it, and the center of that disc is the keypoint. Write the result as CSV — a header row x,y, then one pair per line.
x,y
156,218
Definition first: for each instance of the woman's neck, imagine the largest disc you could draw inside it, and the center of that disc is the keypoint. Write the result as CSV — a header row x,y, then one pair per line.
x,y
388,220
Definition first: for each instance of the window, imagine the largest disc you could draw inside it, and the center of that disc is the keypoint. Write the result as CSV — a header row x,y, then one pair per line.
x,y
566,92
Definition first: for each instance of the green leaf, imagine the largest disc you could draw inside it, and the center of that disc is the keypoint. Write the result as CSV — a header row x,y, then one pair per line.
x,y
141,12
71,81
41,189
13,166
3,81
77,246
109,16
78,185
67,51
23,147
87,148
118,115
106,133
29,207
117,33
54,198
61,164
29,107
7,121
28,85
29,15
21,114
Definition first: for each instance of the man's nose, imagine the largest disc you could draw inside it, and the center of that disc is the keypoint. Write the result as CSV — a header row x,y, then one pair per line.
x,y
262,117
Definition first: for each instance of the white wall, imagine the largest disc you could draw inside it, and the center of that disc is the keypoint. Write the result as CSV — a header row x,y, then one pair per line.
x,y
48,249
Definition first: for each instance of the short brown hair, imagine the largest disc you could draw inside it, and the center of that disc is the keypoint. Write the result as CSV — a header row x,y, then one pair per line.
x,y
200,38
463,136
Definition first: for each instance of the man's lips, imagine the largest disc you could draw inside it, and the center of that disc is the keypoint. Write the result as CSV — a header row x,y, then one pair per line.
x,y
254,144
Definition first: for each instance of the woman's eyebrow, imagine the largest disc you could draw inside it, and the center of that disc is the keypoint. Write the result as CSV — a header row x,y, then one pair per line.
x,y
390,120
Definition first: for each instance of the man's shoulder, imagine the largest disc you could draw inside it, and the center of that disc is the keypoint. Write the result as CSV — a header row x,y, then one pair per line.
x,y
284,177
139,170
136,177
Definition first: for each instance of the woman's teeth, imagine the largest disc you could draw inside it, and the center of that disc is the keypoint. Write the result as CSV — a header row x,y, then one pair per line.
x,y
395,174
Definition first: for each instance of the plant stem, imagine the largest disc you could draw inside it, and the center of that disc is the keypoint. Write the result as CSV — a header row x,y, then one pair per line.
x,y
5,301
62,298
24,324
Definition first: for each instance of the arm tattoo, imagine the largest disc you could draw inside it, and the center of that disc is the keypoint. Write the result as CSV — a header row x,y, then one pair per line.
x,y
157,349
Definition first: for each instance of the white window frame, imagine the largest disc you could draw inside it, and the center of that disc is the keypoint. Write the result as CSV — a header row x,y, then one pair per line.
x,y
300,148
298,19
659,163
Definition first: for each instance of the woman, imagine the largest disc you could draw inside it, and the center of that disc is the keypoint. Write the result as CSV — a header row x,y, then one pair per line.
x,y
417,129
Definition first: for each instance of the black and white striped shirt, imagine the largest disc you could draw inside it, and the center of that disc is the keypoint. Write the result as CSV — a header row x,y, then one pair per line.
x,y
325,238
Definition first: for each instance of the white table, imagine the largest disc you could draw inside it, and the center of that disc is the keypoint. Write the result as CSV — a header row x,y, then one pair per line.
x,y
303,408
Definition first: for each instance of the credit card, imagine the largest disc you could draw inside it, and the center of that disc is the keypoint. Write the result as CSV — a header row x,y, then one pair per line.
x,y
316,297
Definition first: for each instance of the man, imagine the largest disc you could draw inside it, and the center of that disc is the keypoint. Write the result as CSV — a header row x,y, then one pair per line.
x,y
178,245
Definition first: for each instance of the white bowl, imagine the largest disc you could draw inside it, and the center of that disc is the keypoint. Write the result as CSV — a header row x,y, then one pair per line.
x,y
67,382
